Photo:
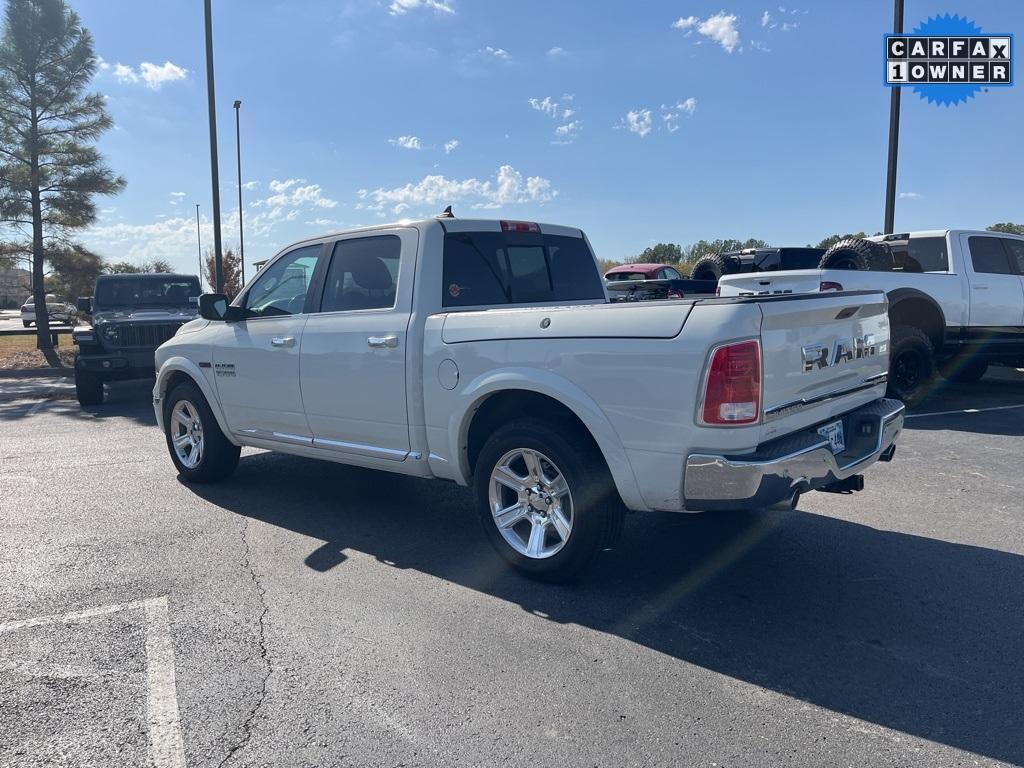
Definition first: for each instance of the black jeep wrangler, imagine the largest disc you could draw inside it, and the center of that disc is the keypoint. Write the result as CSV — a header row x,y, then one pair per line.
x,y
132,315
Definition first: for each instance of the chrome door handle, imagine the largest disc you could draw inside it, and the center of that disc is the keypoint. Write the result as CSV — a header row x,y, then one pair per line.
x,y
282,341
381,342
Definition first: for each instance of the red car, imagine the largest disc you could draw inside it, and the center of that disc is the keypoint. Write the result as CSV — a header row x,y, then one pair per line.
x,y
642,272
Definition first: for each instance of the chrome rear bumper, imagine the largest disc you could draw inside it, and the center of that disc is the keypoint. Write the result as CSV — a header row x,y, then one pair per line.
x,y
791,465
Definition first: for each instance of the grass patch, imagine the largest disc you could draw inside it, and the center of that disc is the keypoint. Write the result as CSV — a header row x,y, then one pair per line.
x,y
20,352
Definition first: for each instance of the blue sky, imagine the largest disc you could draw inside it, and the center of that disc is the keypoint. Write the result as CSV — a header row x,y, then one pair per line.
x,y
644,122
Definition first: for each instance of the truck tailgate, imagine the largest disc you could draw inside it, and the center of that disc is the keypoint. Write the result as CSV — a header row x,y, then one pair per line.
x,y
823,354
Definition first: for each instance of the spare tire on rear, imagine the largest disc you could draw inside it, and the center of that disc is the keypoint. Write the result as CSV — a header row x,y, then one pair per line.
x,y
857,253
712,267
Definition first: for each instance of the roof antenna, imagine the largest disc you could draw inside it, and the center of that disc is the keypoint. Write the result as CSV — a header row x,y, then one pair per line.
x,y
446,213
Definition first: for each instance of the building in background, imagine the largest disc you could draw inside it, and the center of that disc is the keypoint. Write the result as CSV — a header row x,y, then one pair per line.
x,y
15,287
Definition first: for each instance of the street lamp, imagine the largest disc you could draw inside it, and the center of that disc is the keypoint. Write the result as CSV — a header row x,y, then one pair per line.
x,y
238,158
894,134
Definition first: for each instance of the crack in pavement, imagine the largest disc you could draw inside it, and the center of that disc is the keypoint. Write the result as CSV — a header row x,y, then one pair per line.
x,y
247,725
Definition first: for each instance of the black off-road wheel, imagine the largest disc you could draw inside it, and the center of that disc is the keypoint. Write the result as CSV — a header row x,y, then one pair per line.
x,y
857,253
545,498
198,447
711,267
88,388
911,365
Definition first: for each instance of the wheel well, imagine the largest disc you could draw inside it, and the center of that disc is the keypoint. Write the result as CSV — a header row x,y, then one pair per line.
x,y
919,313
174,379
503,407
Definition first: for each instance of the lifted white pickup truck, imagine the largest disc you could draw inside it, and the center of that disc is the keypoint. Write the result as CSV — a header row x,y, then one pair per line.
x,y
486,353
956,302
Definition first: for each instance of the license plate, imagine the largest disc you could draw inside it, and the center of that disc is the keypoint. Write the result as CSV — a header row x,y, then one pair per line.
x,y
834,433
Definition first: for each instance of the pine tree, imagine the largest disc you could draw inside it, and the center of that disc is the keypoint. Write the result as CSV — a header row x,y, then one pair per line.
x,y
49,168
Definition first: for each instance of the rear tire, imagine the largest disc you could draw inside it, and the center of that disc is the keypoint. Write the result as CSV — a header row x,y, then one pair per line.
x,y
856,253
711,267
26,323
588,509
88,388
203,453
911,365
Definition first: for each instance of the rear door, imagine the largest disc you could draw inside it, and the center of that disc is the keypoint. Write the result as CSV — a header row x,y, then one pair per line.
x,y
354,347
1015,250
823,354
997,294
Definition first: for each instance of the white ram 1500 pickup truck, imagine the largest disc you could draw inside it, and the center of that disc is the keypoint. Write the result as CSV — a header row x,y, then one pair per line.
x,y
956,302
487,353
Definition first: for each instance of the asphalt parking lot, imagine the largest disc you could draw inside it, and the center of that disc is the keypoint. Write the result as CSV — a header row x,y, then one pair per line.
x,y
307,614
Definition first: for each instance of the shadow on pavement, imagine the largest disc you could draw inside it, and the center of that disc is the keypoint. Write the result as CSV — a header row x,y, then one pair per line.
x,y
998,400
915,634
124,399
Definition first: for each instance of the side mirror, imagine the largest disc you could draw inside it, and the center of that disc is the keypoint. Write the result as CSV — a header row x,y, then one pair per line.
x,y
215,306
85,304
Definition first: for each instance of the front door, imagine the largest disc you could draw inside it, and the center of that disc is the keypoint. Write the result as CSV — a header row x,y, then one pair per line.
x,y
256,360
354,350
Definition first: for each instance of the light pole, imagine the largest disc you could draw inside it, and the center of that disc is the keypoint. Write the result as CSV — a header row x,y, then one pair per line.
x,y
214,173
238,158
199,244
894,134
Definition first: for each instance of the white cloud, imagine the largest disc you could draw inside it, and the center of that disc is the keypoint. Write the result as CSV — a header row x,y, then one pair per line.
x,y
177,194
400,7
909,195
555,52
508,187
153,76
670,113
406,142
451,146
250,185
545,105
567,133
638,121
766,19
498,53
294,192
788,25
721,28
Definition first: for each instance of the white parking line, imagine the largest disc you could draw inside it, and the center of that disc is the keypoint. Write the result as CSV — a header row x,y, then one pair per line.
x,y
166,749
964,410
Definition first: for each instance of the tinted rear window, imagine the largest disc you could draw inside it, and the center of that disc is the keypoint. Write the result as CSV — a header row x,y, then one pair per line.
x,y
483,268
921,254
174,291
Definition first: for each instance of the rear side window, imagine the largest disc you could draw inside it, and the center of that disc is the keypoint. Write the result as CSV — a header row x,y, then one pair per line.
x,y
921,254
363,274
482,268
988,256
1016,250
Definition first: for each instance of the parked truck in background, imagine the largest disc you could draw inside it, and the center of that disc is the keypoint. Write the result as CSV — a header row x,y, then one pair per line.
x,y
956,302
132,314
486,353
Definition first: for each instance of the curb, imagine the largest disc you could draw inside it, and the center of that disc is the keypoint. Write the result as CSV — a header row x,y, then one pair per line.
x,y
37,373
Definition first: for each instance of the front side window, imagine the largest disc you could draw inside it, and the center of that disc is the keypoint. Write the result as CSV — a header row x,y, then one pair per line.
x,y
363,274
988,256
281,287
485,268
670,274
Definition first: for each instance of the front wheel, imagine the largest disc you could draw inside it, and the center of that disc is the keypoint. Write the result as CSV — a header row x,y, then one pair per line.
x,y
88,388
198,447
546,499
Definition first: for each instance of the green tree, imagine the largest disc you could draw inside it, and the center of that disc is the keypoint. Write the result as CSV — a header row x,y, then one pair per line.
x,y
49,169
603,265
662,253
1008,228
232,272
828,242
708,247
130,268
73,271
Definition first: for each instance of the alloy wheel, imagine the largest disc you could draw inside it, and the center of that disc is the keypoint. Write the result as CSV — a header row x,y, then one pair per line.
x,y
531,503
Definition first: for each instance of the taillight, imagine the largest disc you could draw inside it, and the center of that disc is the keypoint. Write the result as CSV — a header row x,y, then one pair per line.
x,y
732,393
520,226
828,285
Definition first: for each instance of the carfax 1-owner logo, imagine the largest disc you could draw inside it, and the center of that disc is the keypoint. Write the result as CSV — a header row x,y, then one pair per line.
x,y
948,59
